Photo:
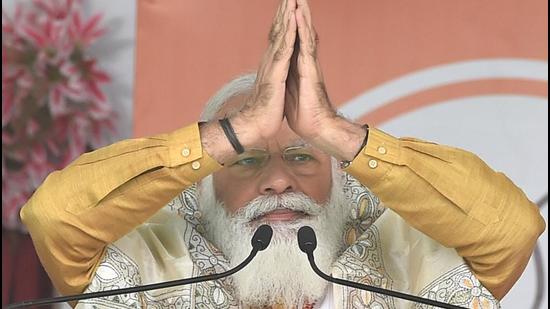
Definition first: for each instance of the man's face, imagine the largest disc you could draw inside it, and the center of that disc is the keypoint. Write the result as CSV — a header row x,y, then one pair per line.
x,y
284,164
286,184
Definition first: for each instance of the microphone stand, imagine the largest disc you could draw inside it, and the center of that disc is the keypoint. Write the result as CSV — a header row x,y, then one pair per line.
x,y
308,243
260,241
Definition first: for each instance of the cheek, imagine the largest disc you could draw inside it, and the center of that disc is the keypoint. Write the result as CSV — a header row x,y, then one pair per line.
x,y
319,187
233,193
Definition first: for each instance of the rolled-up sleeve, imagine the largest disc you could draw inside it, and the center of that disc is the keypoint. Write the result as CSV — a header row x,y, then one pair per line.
x,y
455,198
103,195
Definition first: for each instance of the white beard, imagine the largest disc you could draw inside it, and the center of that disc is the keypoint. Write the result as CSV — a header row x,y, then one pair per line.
x,y
281,274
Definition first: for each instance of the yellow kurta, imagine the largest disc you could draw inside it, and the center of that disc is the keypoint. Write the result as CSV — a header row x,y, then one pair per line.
x,y
447,193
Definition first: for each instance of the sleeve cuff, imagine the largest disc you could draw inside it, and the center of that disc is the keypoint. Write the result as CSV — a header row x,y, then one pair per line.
x,y
185,148
376,159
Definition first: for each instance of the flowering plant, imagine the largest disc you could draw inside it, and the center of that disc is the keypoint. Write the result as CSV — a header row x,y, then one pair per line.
x,y
53,107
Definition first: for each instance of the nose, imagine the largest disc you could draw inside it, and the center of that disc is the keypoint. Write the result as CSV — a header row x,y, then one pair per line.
x,y
277,178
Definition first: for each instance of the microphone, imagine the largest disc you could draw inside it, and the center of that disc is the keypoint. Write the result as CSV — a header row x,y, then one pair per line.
x,y
260,241
308,243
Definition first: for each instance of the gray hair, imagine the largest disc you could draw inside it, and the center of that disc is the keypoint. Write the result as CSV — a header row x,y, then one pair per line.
x,y
240,85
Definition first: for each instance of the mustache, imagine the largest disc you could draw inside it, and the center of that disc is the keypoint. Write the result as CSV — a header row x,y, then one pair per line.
x,y
295,201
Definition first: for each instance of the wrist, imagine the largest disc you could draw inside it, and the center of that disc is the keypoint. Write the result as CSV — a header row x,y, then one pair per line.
x,y
341,138
214,141
231,136
245,133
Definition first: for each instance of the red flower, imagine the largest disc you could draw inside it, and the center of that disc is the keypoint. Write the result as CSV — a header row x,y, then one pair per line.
x,y
87,32
53,105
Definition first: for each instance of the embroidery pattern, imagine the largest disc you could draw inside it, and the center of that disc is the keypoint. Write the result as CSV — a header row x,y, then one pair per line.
x,y
117,271
361,262
207,259
365,208
459,287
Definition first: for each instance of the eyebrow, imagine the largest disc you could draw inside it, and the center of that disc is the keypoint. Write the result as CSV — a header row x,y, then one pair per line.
x,y
299,142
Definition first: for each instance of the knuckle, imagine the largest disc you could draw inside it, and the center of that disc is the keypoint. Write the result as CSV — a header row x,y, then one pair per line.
x,y
312,49
282,50
276,32
277,56
272,37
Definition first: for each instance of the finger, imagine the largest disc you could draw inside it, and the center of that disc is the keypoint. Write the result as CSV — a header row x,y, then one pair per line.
x,y
273,35
292,79
279,21
291,94
293,70
276,23
282,50
289,36
281,57
284,39
304,6
275,63
308,42
309,39
308,63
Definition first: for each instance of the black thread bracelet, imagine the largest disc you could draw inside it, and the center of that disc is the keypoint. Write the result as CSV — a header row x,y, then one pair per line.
x,y
231,136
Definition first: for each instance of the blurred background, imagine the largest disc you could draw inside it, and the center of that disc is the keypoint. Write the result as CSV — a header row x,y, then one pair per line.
x,y
77,75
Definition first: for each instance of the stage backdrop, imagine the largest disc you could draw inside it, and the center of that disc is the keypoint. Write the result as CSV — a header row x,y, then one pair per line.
x,y
468,73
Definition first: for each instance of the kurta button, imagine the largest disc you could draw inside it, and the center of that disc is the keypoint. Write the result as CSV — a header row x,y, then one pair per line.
x,y
185,152
196,165
382,150
373,164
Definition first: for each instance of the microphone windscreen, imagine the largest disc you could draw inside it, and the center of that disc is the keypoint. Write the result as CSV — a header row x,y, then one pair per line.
x,y
306,239
262,237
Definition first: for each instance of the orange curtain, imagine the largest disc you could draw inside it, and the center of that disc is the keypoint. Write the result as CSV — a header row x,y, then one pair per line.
x,y
187,49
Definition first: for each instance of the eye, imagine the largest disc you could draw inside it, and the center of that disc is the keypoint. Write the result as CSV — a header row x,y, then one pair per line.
x,y
299,157
249,161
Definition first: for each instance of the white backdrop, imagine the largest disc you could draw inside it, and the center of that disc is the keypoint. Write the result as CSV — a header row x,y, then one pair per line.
x,y
511,135
508,131
115,52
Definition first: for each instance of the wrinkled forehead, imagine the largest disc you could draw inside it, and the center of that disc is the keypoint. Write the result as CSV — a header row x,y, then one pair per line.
x,y
285,137
232,106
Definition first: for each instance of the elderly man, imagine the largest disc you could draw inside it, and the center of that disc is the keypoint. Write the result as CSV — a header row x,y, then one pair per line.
x,y
273,150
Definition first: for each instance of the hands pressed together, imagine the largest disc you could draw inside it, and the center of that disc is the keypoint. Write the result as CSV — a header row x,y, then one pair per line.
x,y
290,85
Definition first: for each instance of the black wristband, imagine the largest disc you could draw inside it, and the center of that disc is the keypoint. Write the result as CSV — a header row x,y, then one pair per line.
x,y
231,136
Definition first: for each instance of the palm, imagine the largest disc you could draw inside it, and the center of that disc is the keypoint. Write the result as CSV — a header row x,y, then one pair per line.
x,y
262,115
307,105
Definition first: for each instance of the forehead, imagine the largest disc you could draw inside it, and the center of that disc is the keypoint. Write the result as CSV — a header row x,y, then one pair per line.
x,y
284,138
232,106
